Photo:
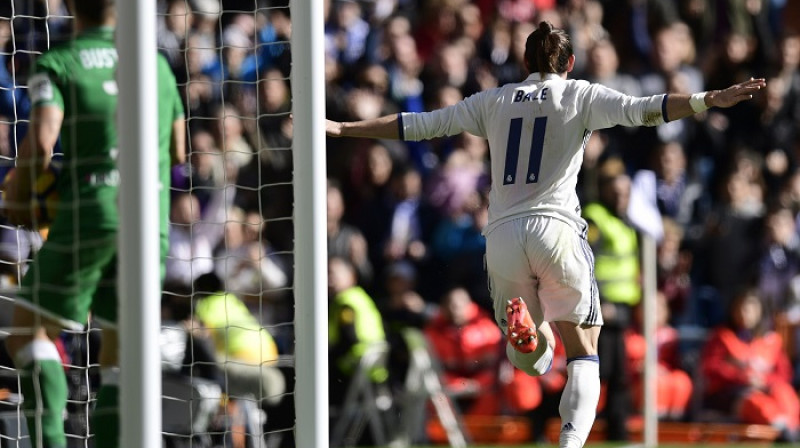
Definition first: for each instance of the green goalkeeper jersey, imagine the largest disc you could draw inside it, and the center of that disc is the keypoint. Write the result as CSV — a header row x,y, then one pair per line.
x,y
170,108
79,78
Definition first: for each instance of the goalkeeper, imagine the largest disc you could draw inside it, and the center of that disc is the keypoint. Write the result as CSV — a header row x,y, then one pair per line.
x,y
74,94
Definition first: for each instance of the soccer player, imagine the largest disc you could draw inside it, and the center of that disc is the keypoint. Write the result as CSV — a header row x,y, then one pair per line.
x,y
74,96
536,251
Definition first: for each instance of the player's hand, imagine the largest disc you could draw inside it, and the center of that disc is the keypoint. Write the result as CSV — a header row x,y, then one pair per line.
x,y
333,128
735,94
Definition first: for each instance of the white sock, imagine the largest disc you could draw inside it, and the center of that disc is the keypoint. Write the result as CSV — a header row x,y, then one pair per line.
x,y
535,363
579,401
37,350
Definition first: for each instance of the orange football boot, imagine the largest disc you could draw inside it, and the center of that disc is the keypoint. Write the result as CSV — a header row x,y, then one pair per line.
x,y
521,329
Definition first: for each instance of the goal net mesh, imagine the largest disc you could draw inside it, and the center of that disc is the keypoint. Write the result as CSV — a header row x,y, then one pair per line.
x,y
227,304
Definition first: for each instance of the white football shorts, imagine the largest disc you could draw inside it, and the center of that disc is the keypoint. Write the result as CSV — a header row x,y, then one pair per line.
x,y
549,264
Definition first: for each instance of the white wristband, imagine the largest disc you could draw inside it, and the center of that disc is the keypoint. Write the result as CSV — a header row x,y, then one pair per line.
x,y
698,102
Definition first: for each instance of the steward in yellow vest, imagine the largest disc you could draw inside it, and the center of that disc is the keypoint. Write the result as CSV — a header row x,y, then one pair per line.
x,y
354,323
616,252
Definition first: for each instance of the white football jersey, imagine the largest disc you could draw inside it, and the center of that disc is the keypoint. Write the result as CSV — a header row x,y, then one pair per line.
x,y
537,131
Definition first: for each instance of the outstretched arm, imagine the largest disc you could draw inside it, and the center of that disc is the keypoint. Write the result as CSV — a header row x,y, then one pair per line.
x,y
680,106
386,127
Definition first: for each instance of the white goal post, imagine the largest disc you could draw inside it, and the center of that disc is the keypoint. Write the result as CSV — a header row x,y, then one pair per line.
x,y
311,303
139,277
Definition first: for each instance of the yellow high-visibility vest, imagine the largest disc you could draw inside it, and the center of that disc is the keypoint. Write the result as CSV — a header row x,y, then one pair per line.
x,y
616,267
368,325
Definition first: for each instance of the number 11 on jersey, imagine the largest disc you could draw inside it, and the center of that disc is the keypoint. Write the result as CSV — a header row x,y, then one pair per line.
x,y
512,150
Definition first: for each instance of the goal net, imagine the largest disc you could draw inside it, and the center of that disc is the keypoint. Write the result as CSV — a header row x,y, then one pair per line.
x,y
227,333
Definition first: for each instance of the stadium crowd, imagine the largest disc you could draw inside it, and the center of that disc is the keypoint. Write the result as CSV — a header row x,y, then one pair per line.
x,y
719,192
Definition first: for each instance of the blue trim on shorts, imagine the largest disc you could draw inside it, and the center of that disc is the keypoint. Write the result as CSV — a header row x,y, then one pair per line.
x,y
550,366
593,358
591,317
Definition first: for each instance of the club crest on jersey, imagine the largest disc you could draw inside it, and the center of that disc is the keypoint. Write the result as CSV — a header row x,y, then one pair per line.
x,y
520,96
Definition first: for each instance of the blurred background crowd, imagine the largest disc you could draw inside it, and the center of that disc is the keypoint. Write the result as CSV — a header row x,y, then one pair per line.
x,y
718,192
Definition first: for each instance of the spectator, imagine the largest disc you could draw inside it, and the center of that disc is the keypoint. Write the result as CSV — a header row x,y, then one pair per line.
x,y
404,65
674,386
502,52
776,134
346,32
396,225
733,57
746,372
458,245
789,64
229,136
368,176
271,46
674,266
200,91
345,240
779,260
468,344
173,27
273,108
729,245
402,308
251,269
585,22
245,351
455,182
679,193
206,171
354,323
186,347
671,72
194,236
450,66
603,67
630,26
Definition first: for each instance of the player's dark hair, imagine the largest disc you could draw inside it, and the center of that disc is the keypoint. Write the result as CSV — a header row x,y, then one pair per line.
x,y
547,50
92,11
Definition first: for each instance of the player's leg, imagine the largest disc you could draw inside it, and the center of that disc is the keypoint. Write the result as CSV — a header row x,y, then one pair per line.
x,y
510,277
582,391
105,417
568,296
55,293
43,383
